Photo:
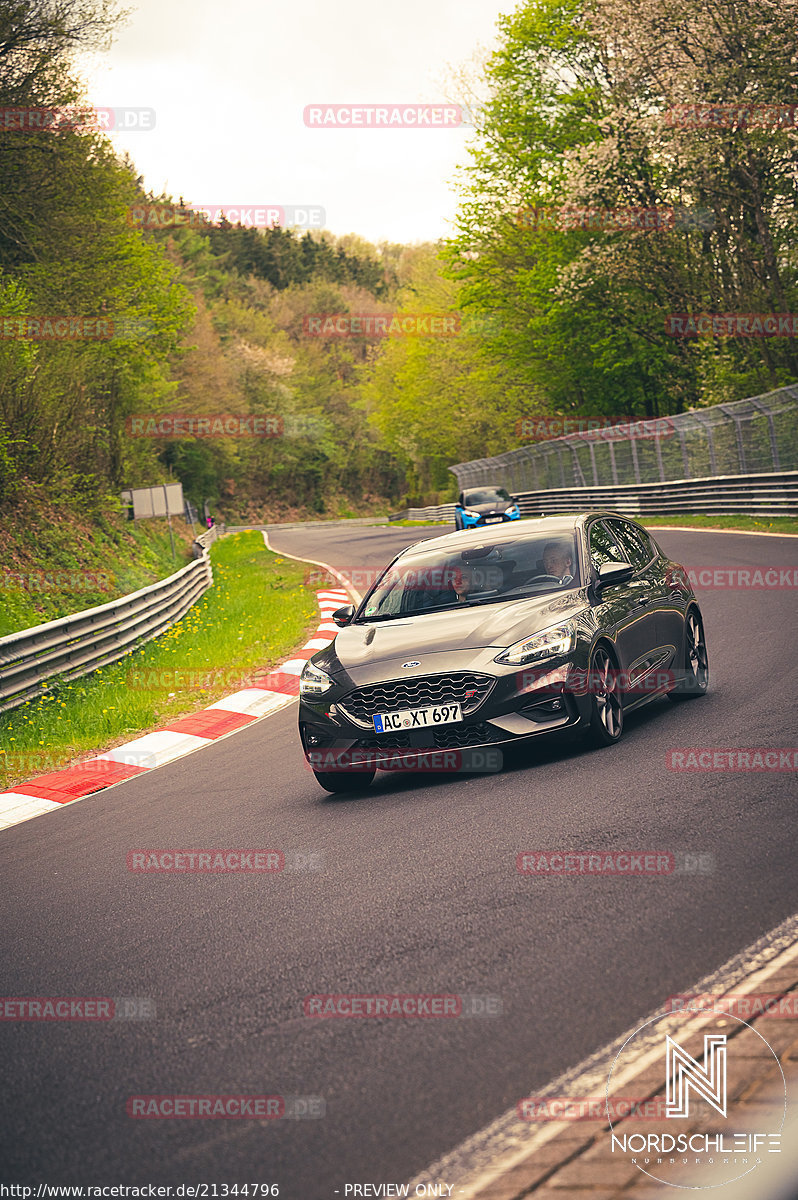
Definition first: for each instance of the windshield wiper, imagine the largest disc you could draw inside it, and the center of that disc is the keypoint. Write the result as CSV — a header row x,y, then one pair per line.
x,y
370,620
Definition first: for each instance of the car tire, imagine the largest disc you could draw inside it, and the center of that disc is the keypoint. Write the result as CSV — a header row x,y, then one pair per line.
x,y
695,666
344,781
458,521
606,699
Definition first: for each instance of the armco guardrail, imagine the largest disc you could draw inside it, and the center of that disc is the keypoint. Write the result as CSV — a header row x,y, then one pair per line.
x,y
435,512
772,494
78,644
768,494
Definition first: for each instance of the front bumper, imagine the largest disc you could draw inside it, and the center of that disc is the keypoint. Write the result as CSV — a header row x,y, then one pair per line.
x,y
487,519
522,703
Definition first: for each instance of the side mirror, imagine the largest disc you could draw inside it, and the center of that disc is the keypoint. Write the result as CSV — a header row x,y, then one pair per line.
x,y
342,616
614,572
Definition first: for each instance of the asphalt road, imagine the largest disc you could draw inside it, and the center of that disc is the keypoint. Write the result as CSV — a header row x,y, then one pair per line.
x,y
417,893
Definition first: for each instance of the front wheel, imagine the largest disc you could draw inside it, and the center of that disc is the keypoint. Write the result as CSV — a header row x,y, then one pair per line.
x,y
606,701
344,781
695,673
458,521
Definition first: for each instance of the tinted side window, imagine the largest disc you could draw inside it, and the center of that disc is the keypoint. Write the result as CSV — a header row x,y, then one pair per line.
x,y
636,546
603,547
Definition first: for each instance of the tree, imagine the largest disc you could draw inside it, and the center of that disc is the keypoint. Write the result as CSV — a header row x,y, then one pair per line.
x,y
581,120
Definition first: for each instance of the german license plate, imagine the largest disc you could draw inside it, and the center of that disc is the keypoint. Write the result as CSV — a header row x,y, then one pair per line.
x,y
493,520
417,718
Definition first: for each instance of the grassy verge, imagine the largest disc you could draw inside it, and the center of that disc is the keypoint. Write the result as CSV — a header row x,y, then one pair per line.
x,y
736,521
257,611
58,560
403,524
690,521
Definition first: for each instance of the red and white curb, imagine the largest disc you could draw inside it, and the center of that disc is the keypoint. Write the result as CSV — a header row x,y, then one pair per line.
x,y
266,695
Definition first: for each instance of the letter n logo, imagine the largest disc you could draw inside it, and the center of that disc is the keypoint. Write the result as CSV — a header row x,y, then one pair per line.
x,y
684,1073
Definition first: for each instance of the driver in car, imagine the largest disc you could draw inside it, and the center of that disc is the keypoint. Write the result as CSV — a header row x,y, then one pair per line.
x,y
558,560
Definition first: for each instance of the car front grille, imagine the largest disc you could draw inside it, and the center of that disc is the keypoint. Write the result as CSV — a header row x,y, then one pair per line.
x,y
393,741
466,688
453,737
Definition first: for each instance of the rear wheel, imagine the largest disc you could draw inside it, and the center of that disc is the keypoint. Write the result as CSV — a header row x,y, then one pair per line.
x,y
695,672
344,781
606,701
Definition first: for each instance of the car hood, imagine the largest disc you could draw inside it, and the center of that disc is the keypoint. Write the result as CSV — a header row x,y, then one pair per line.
x,y
471,627
498,507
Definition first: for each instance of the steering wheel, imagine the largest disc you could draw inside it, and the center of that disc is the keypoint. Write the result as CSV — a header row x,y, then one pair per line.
x,y
545,579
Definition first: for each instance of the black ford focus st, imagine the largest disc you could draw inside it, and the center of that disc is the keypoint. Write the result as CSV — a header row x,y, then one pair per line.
x,y
468,643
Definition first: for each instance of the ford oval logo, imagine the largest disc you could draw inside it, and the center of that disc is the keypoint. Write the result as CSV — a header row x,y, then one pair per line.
x,y
414,663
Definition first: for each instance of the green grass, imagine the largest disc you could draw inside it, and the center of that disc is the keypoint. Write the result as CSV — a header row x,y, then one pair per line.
x,y
57,562
736,521
404,524
257,611
692,521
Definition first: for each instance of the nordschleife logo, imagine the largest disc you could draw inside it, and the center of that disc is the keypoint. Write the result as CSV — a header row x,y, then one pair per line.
x,y
702,1136
684,1073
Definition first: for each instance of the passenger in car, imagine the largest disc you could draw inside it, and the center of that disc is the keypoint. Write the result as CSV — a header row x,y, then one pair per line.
x,y
558,561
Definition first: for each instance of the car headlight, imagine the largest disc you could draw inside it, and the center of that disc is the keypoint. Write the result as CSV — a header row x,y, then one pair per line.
x,y
549,643
313,681
469,512
513,509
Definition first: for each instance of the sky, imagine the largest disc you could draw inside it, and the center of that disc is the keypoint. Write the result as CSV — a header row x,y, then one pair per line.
x,y
229,84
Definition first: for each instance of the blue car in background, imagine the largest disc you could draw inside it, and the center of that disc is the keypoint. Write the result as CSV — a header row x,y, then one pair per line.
x,y
484,506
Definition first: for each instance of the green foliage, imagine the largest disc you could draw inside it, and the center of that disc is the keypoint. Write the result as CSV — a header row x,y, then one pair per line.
x,y
553,317
61,555
204,319
577,121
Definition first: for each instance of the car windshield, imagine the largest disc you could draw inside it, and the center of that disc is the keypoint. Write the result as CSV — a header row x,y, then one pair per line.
x,y
433,581
487,496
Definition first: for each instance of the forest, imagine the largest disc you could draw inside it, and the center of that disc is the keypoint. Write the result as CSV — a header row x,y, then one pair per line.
x,y
629,162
